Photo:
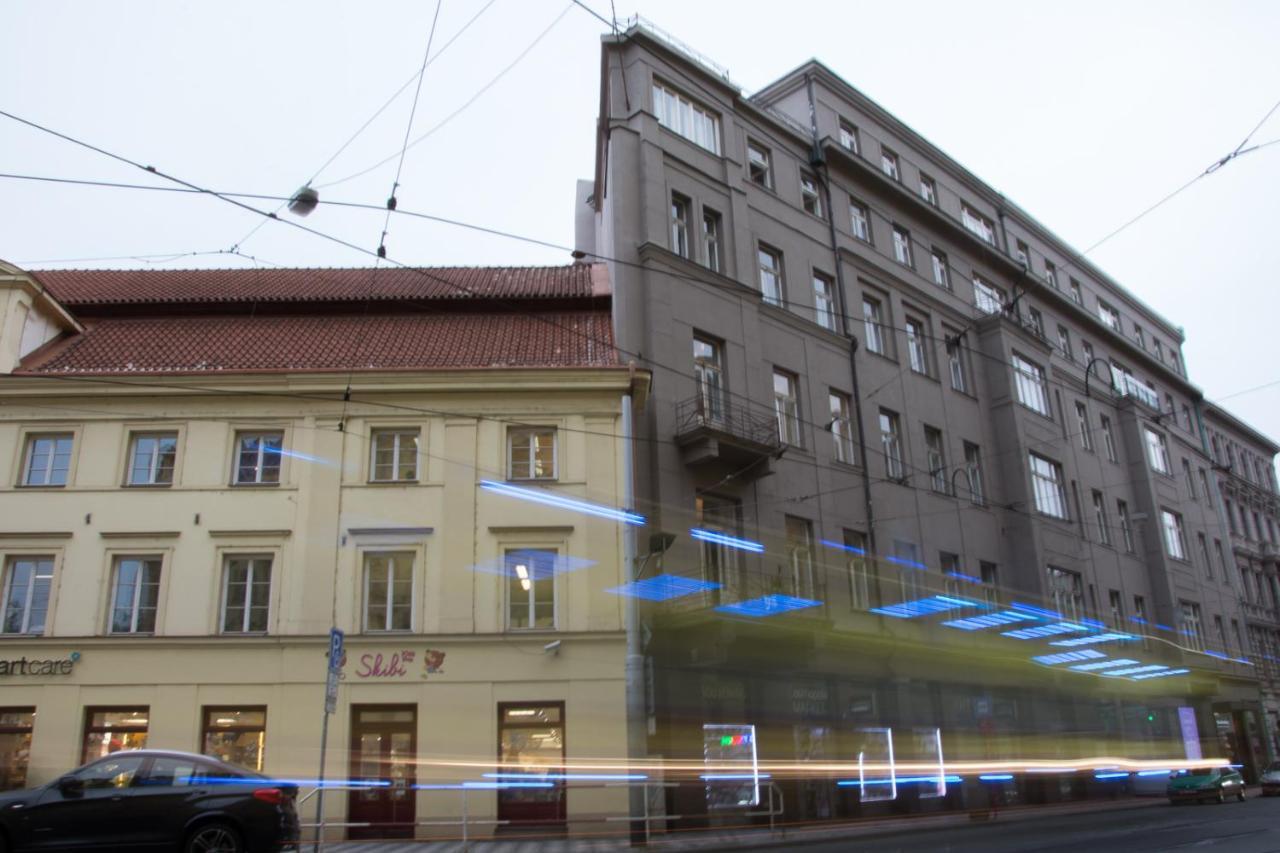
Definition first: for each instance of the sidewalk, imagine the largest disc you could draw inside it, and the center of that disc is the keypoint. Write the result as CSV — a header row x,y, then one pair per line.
x,y
741,839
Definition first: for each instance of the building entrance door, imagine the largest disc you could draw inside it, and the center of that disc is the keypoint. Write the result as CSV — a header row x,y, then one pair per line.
x,y
531,743
384,743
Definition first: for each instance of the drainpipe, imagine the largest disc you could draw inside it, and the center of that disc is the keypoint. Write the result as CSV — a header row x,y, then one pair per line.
x,y
637,736
819,161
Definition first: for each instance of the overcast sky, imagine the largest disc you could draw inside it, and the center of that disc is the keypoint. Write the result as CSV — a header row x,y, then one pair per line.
x,y
1084,113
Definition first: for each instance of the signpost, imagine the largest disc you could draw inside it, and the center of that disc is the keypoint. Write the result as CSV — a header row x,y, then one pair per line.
x,y
336,638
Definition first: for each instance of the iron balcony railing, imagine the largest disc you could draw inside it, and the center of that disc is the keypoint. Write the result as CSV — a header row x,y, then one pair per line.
x,y
742,420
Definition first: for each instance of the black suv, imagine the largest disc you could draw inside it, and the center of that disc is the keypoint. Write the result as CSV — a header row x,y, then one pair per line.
x,y
152,800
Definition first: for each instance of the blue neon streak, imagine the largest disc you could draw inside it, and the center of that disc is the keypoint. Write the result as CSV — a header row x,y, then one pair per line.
x,y
561,502
1155,772
570,777
901,780
1220,655
663,587
1103,664
1111,775
718,538
1066,657
722,777
903,561
1145,676
1138,619
962,576
925,606
1095,638
850,548
1039,611
1162,627
767,605
996,777
1135,670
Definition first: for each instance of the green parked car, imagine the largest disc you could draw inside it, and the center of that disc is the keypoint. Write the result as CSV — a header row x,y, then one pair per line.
x,y
1206,783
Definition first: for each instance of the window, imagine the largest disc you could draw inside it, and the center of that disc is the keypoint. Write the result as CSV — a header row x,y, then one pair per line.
x,y
48,459
135,593
917,352
388,592
711,254
1191,483
1067,591
1108,437
246,595
1192,627
955,362
941,272
531,592
1100,517
928,190
855,545
532,453
151,458
786,407
759,165
1050,274
720,563
937,460
1035,322
1157,451
973,472
990,581
824,303
1139,336
1109,316
27,582
1159,347
889,163
1064,343
708,375
108,730
872,321
1046,482
1117,609
769,262
680,115
800,555
1023,253
979,225
235,735
949,565
1126,525
891,444
848,137
395,455
1204,555
1082,424
988,298
809,196
907,556
16,726
1175,539
860,220
1086,349
680,224
258,457
1076,295
902,245
842,427
1029,380
1231,516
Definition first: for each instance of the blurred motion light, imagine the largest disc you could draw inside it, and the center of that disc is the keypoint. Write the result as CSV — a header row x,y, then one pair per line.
x,y
1103,664
717,538
1096,638
1044,631
988,620
1067,657
663,587
1136,670
1144,677
552,499
925,606
768,605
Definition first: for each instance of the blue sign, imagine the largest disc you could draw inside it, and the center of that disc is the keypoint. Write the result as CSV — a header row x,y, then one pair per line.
x,y
336,638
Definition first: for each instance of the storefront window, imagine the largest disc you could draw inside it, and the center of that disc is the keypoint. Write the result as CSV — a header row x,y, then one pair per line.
x,y
108,730
531,741
15,746
236,735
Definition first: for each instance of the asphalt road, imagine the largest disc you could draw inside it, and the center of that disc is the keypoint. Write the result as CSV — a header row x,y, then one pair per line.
x,y
1249,827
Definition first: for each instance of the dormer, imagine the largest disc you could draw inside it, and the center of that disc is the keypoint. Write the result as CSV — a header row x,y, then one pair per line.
x,y
29,317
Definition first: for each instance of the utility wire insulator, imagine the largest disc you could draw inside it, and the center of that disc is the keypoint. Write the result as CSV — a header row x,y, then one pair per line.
x,y
391,203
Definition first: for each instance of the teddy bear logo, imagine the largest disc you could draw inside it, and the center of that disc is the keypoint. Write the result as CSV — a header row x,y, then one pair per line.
x,y
432,662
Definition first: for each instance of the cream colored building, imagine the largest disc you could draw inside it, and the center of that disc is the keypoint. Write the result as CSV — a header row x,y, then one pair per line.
x,y
202,471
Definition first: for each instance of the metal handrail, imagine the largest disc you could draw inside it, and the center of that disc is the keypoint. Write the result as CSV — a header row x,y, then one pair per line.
x,y
743,420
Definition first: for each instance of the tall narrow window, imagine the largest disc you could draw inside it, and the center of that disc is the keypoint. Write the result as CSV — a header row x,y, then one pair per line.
x,y
980,226
678,114
1074,292
1064,343
246,595
1086,351
711,252
824,303
810,197
1117,609
786,407
848,137
889,164
1035,322
1157,451
27,583
987,298
531,596
872,323
531,453
800,555
388,592
1126,525
860,220
48,459
394,455
1082,425
135,594
1109,316
258,456
902,245
1100,517
937,460
1192,625
1175,538
769,262
1187,475
973,472
989,573
1108,437
1139,336
1047,485
1023,253
1050,274
1067,590
1204,555
16,727
955,362
941,272
708,375
928,190
1030,382
680,207
151,458
842,427
917,352
855,545
720,563
759,165
891,444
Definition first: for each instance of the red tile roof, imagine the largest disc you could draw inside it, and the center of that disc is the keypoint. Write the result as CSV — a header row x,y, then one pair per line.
x,y
320,342
124,287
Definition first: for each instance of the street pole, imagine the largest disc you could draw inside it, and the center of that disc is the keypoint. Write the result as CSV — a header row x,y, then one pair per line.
x,y
637,734
336,640
324,739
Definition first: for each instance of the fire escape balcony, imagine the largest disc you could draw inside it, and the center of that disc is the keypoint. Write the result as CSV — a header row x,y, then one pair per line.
x,y
716,431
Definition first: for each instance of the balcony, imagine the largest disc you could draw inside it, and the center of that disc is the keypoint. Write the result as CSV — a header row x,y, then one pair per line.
x,y
716,430
1260,613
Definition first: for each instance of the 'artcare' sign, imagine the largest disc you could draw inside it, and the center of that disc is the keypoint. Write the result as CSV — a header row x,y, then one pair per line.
x,y
46,666
394,665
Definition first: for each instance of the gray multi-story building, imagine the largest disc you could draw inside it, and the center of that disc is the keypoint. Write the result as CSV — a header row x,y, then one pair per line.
x,y
909,439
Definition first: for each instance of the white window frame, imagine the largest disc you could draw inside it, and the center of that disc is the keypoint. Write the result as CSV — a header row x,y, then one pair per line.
x,y
681,210
973,473
956,366
810,197
259,468
902,246
530,586
1082,423
889,164
786,406
135,604
928,190
824,303
1108,438
936,459
772,289
50,467
891,444
1048,487
535,431
987,297
941,274
1157,451
1100,517
977,224
860,220
1109,316
1175,536
255,569
873,325
154,467
397,434
685,118
917,351
1192,624
1029,379
1077,295
395,563
759,165
39,563
1126,525
849,137
711,228
841,407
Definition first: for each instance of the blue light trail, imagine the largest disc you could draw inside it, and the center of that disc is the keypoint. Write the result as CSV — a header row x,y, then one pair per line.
x,y
540,496
1095,638
1067,657
1044,631
768,605
717,538
988,620
1103,664
925,606
1164,674
1039,611
996,777
663,587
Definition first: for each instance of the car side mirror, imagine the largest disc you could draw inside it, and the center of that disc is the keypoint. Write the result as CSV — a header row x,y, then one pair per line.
x,y
71,786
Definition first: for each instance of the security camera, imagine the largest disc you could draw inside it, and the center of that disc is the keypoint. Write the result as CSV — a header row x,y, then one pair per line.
x,y
552,648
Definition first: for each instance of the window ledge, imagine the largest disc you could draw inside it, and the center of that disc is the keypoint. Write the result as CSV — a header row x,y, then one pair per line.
x,y
254,485
146,485
413,482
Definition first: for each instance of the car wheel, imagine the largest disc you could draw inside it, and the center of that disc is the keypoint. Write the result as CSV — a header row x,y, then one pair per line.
x,y
1219,799
1240,795
214,838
